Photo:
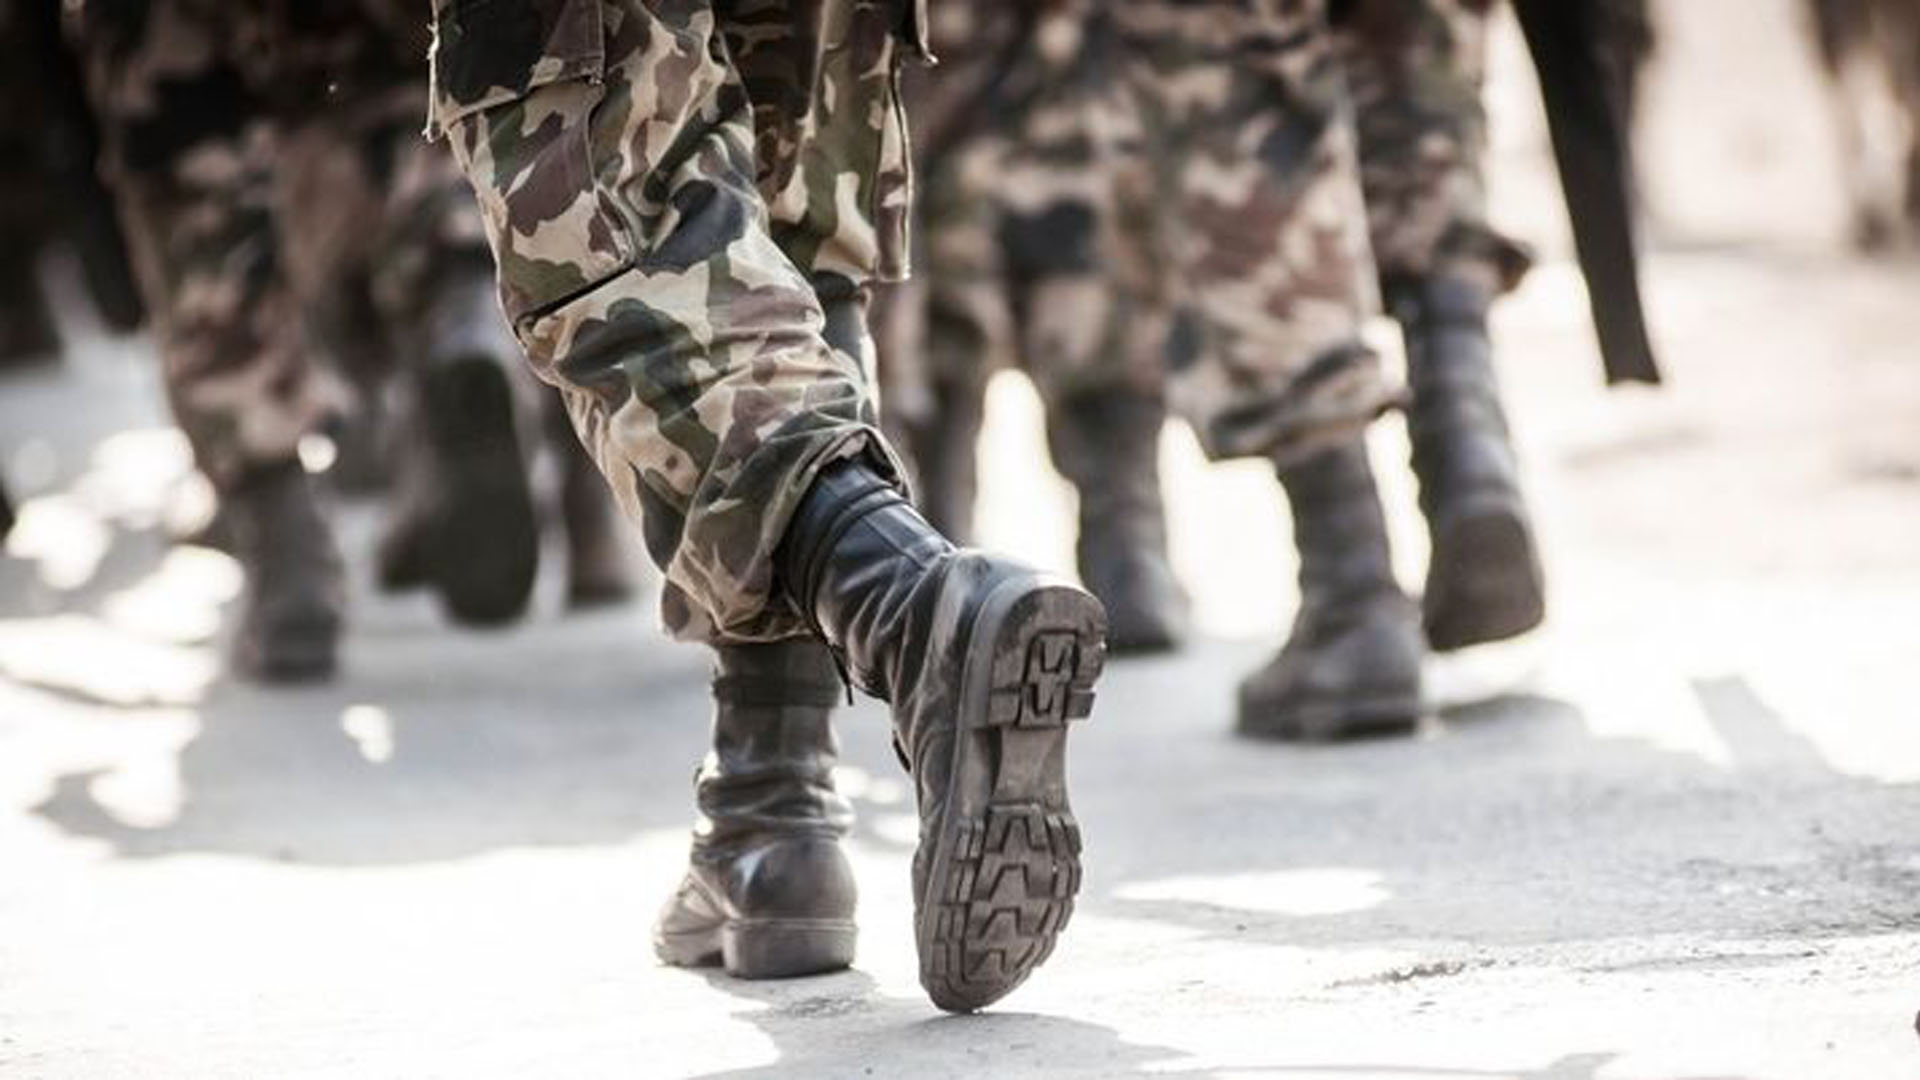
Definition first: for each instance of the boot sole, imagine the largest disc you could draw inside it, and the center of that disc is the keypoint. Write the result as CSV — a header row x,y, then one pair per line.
x,y
1484,585
1003,857
763,948
486,539
1337,721
307,651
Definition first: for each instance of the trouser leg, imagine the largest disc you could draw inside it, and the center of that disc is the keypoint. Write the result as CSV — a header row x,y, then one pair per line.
x,y
1417,68
686,267
194,183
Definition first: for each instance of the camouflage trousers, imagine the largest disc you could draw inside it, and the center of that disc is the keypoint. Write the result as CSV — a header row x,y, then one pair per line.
x,y
1150,197
1416,70
278,200
1029,168
1035,171
688,201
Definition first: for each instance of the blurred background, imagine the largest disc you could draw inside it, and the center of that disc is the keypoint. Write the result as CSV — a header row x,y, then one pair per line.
x,y
1670,834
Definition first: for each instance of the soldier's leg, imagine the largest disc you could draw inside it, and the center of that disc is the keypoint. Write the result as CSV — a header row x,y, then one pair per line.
x,y
1416,68
1251,128
190,155
1090,323
686,202
941,335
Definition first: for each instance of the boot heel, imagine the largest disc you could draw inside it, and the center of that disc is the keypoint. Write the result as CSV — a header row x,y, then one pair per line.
x,y
1003,883
1485,581
1051,650
784,948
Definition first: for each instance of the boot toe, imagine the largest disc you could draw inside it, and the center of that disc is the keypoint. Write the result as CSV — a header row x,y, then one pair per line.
x,y
1357,680
1484,583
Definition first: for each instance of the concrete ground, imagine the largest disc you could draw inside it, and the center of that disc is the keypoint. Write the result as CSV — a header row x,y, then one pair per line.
x,y
1675,835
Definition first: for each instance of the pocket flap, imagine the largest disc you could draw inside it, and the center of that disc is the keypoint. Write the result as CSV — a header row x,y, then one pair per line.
x,y
488,52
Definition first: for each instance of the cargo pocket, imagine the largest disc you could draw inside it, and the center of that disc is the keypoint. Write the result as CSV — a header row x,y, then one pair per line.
x,y
515,87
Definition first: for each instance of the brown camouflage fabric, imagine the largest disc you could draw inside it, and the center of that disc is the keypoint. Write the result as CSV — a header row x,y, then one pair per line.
x,y
1416,69
1030,170
687,201
1029,166
1020,151
1089,168
278,201
1247,117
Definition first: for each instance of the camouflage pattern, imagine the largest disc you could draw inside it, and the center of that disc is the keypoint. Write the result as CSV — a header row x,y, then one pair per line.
x,y
1247,120
1089,169
1415,69
1029,166
277,198
688,201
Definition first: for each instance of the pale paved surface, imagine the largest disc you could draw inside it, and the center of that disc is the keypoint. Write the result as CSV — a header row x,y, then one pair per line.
x,y
1687,843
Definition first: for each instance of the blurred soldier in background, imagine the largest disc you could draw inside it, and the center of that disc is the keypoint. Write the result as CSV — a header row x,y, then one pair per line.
x,y
50,188
1032,164
282,212
1027,150
1872,54
1353,662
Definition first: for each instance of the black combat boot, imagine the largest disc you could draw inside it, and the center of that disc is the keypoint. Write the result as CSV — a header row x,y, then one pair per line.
x,y
1352,664
464,517
1108,445
984,662
1484,582
768,894
290,622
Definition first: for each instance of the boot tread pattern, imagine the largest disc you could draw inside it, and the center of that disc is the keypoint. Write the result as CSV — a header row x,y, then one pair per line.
x,y
1009,895
1052,688
1010,876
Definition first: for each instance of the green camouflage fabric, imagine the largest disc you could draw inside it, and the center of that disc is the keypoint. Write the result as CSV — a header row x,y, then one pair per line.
x,y
1090,169
1029,166
278,201
688,201
1416,69
1263,232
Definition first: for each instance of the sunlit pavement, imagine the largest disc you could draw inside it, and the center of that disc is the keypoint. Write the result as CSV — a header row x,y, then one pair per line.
x,y
1677,836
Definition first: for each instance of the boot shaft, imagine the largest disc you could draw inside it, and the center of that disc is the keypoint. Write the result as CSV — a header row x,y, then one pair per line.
x,y
1462,446
1108,445
278,524
1339,527
769,772
855,558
